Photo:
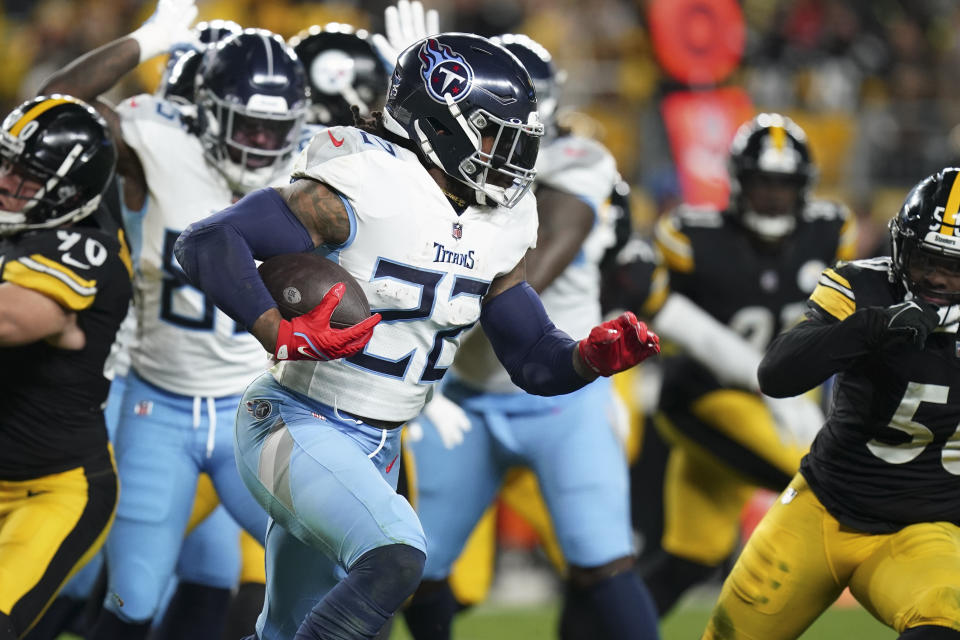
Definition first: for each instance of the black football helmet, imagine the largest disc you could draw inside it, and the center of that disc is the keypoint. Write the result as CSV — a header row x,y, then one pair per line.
x,y
539,64
344,69
770,147
56,159
470,107
252,99
925,237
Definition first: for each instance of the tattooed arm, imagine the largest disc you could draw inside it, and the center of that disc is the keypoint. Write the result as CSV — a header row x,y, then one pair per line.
x,y
320,209
324,216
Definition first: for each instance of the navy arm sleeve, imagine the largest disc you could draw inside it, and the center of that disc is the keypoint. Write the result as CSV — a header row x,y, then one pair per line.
x,y
537,355
803,357
218,252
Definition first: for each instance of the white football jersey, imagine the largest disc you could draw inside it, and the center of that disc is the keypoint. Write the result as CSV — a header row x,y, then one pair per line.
x,y
584,168
422,266
185,344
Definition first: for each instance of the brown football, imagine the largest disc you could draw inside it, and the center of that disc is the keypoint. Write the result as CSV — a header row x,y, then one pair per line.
x,y
298,282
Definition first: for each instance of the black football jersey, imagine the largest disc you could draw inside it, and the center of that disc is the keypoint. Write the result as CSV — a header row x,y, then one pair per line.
x,y
889,455
754,288
52,418
635,280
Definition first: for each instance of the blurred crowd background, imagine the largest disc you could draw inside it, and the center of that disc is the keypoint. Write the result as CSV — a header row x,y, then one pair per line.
x,y
872,81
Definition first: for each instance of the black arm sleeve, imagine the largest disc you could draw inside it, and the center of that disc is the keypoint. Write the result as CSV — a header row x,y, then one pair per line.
x,y
537,355
803,357
217,253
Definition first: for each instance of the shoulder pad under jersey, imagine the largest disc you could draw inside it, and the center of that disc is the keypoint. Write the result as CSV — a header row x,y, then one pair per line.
x,y
843,288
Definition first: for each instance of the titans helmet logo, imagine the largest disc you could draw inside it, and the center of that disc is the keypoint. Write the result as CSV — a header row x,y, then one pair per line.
x,y
444,72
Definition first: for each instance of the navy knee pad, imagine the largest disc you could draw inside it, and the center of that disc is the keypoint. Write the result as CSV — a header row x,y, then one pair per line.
x,y
388,575
375,587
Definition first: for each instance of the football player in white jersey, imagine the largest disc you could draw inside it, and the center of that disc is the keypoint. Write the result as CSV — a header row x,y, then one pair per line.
x,y
567,441
191,362
428,208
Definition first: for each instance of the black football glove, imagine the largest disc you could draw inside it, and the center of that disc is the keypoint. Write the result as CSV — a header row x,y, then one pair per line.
x,y
911,321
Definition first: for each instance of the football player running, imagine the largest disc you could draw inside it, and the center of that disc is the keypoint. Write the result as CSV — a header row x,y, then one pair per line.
x,y
875,505
567,441
737,277
191,362
427,205
64,290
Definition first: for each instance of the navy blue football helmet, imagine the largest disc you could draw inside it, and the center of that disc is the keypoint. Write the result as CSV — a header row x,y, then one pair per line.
x,y
771,147
539,64
56,159
344,70
178,83
470,107
252,101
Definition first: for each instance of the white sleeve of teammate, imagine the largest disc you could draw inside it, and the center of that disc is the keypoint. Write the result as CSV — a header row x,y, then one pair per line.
x,y
728,356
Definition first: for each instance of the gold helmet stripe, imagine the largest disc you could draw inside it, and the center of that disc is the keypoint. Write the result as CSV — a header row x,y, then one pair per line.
x,y
778,136
953,206
36,112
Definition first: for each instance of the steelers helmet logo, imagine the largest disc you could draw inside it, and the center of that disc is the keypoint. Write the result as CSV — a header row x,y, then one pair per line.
x,y
444,72
333,71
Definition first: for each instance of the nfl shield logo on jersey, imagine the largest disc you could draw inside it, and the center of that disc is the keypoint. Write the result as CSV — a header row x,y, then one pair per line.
x,y
457,232
444,72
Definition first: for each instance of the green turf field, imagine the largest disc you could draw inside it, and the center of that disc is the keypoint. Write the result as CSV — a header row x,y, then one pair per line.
x,y
502,623
498,623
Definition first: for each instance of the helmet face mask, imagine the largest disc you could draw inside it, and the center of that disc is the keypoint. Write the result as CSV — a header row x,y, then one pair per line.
x,y
254,140
252,101
470,108
503,165
771,174
925,239
56,159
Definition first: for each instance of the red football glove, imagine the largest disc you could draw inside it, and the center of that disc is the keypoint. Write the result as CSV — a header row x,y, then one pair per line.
x,y
618,344
310,336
